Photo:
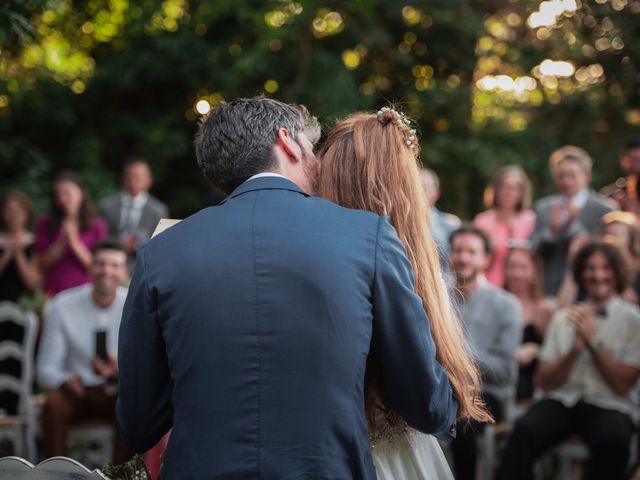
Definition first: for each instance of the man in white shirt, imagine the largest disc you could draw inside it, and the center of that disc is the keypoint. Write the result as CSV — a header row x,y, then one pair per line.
x,y
80,384
133,214
589,365
574,210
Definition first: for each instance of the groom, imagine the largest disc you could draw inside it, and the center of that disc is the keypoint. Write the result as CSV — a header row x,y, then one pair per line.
x,y
248,325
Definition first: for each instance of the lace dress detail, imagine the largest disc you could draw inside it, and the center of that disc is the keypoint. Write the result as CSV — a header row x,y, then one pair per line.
x,y
402,453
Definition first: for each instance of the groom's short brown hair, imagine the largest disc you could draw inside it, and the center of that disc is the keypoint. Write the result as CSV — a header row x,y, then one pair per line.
x,y
236,138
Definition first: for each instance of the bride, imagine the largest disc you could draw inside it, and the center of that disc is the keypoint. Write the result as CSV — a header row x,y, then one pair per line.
x,y
369,162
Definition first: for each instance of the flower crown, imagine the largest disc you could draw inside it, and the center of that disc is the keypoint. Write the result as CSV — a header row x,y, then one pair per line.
x,y
402,121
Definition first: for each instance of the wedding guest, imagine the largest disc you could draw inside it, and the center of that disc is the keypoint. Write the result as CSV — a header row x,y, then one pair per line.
x,y
568,293
492,319
442,224
18,276
19,273
523,278
574,210
65,235
133,214
589,366
80,384
625,189
509,220
622,229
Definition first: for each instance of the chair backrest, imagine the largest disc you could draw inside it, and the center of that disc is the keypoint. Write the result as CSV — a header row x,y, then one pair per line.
x,y
56,468
18,350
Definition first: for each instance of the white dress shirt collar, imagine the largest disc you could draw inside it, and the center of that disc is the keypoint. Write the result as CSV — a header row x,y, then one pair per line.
x,y
267,174
136,202
580,199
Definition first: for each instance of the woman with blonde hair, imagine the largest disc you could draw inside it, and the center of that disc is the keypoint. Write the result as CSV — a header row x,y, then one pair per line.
x,y
370,162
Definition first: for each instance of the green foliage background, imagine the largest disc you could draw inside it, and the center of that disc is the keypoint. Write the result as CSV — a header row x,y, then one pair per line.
x,y
85,83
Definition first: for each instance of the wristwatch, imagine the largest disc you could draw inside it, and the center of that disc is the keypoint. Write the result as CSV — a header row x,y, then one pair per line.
x,y
595,345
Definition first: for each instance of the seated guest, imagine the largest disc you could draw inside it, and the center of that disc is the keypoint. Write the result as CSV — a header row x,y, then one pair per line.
x,y
622,228
568,293
625,189
19,273
492,319
133,214
65,235
79,378
523,278
589,365
442,224
617,227
574,210
509,220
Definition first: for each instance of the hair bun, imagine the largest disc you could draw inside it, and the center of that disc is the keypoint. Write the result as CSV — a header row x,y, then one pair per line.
x,y
387,115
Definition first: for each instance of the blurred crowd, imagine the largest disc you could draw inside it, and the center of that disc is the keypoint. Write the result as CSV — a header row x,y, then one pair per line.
x,y
548,296
547,292
80,257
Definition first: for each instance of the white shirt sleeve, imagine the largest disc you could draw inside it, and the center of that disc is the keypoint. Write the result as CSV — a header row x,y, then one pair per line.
x,y
551,349
50,365
631,352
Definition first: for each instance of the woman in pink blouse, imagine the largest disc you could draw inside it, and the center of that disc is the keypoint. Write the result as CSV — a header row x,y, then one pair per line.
x,y
509,221
66,235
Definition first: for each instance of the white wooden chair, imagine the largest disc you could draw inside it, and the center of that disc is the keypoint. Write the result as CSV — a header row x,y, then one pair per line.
x,y
19,428
494,434
55,468
91,442
574,452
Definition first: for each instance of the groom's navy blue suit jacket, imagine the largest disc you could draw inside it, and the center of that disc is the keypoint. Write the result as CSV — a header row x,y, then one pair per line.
x,y
247,329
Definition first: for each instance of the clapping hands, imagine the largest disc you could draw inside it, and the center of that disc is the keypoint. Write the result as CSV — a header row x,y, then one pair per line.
x,y
70,230
561,216
582,318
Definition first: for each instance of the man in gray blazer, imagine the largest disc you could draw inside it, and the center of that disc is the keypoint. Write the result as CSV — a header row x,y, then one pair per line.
x,y
574,211
133,214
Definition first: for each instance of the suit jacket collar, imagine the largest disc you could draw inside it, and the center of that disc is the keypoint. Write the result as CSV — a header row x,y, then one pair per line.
x,y
265,183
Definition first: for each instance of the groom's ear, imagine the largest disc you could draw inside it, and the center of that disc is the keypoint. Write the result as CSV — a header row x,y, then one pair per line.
x,y
288,145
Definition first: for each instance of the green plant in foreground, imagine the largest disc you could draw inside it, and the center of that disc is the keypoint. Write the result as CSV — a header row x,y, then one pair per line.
x,y
134,469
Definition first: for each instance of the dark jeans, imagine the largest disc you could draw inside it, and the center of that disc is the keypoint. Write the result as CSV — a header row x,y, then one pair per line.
x,y
464,447
607,433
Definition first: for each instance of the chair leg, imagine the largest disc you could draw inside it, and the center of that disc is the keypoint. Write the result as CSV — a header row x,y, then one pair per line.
x,y
564,467
18,436
538,470
489,451
32,453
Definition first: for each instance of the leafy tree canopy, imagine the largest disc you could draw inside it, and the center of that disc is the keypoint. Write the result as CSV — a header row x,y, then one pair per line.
x,y
85,83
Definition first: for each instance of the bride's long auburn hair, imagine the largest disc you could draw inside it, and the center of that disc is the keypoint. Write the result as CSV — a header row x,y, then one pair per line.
x,y
367,163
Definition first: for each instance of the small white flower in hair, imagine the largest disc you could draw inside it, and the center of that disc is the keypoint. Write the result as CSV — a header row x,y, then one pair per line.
x,y
402,121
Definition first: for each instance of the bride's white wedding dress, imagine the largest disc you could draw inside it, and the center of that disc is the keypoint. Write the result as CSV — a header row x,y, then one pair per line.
x,y
410,455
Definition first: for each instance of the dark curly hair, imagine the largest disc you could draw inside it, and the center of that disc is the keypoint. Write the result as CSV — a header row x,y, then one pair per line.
x,y
616,259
